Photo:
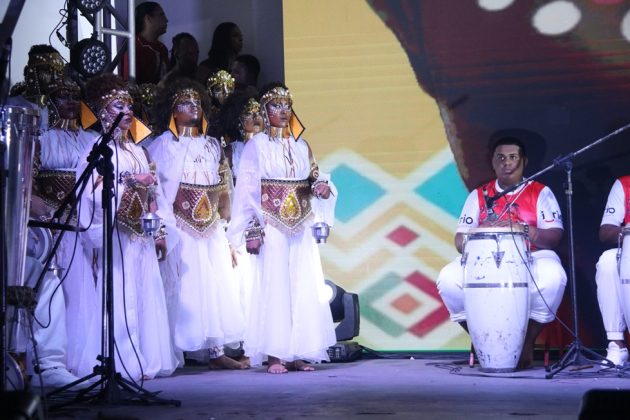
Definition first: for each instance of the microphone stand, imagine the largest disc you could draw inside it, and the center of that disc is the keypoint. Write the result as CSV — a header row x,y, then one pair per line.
x,y
576,353
113,387
3,271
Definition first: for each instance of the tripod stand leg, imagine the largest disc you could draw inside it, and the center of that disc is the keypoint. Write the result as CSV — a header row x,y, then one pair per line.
x,y
577,355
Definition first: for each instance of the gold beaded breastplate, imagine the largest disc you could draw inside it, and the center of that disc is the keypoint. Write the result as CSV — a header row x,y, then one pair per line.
x,y
133,204
54,185
196,207
286,204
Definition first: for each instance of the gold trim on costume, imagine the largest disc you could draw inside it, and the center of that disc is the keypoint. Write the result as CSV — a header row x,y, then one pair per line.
x,y
286,204
133,204
53,186
196,207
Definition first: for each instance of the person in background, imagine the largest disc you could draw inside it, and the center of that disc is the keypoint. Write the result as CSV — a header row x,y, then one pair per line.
x,y
219,86
184,57
227,43
44,67
245,70
151,53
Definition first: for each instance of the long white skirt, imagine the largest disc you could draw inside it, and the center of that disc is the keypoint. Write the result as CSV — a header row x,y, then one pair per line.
x,y
141,329
202,292
79,289
289,313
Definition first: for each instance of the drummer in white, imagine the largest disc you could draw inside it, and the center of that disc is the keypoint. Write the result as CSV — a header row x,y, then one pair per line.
x,y
615,216
535,207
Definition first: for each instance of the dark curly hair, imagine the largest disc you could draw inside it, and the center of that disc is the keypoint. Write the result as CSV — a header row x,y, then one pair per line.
x,y
163,103
230,113
97,87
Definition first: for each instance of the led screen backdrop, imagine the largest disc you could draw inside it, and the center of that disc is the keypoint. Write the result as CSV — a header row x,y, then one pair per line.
x,y
400,100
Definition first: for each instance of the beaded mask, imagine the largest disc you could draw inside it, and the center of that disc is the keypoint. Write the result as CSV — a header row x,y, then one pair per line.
x,y
182,99
250,120
220,85
63,94
283,96
41,70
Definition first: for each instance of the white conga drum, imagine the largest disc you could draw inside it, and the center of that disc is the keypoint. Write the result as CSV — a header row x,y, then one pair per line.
x,y
496,295
623,266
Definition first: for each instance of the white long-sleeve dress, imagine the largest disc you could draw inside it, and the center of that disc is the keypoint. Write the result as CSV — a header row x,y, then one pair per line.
x,y
141,329
201,290
289,312
60,152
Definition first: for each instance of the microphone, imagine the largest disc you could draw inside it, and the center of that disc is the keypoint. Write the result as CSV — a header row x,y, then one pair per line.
x,y
489,203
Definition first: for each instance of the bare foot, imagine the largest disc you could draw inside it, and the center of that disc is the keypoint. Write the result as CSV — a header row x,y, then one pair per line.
x,y
224,362
300,366
244,360
275,366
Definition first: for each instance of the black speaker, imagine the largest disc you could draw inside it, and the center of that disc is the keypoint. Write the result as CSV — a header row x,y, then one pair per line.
x,y
609,404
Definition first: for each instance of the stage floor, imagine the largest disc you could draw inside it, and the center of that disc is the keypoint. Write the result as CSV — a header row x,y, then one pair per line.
x,y
429,387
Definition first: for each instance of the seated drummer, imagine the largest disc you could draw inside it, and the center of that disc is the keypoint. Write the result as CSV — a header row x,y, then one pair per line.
x,y
531,207
616,215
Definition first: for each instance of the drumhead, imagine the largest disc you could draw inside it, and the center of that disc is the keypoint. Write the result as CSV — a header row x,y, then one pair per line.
x,y
515,228
39,243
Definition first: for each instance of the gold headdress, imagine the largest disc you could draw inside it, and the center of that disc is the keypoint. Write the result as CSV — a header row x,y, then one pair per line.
x,y
252,107
55,89
50,62
280,93
221,78
138,130
179,97
50,59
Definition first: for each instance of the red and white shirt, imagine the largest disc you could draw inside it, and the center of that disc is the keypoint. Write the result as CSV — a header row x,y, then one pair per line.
x,y
532,203
617,212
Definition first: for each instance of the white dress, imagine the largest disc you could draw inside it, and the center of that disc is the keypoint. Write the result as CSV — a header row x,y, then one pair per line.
x,y
201,291
289,313
60,150
141,329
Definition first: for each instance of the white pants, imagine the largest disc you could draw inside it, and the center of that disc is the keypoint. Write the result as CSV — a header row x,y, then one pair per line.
x,y
50,337
608,296
548,273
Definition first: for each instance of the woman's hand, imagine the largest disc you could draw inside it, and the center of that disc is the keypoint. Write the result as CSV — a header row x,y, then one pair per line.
x,y
234,255
322,191
146,179
160,248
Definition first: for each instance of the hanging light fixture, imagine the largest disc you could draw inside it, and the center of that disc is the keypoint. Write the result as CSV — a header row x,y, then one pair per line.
x,y
90,57
89,7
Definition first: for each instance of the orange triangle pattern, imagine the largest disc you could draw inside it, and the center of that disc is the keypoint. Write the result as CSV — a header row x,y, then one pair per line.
x,y
88,119
139,131
296,126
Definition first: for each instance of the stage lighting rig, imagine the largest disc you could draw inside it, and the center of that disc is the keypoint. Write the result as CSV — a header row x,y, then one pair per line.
x,y
90,57
344,308
89,7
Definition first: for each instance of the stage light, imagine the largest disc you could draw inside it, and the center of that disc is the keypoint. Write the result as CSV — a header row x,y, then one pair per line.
x,y
89,7
344,308
90,57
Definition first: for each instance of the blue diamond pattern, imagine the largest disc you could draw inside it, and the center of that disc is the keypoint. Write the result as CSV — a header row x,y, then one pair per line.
x,y
445,189
356,192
